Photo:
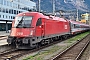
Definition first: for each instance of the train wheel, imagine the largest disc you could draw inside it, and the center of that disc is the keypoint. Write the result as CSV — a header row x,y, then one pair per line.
x,y
60,38
38,45
42,42
47,41
65,36
51,40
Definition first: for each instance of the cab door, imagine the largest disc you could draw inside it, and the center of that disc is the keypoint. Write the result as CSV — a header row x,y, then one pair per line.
x,y
38,29
43,28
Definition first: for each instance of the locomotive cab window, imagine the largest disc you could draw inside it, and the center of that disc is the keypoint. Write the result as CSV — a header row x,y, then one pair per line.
x,y
39,22
23,21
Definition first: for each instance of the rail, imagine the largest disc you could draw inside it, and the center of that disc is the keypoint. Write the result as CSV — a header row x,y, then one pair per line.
x,y
74,51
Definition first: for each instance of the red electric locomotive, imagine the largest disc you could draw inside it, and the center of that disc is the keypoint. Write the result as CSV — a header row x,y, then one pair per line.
x,y
30,29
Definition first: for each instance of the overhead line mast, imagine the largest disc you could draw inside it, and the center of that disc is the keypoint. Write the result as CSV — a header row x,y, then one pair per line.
x,y
53,1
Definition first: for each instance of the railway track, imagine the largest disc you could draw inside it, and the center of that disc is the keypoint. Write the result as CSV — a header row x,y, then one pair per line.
x,y
6,48
15,53
10,54
75,51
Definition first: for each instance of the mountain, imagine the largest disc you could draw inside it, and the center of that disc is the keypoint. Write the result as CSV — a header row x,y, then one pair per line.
x,y
46,5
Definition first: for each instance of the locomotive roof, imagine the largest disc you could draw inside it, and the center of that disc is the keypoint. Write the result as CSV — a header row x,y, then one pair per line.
x,y
42,16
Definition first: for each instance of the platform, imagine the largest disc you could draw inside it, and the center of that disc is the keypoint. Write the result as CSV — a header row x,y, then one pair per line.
x,y
3,33
4,41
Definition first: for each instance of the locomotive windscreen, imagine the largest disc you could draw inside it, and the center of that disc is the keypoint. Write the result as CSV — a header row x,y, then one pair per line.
x,y
23,21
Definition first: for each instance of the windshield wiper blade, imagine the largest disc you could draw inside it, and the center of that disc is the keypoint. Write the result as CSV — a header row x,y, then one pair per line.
x,y
20,22
28,27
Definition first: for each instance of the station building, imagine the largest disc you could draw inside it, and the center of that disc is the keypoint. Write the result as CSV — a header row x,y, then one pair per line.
x,y
85,18
10,8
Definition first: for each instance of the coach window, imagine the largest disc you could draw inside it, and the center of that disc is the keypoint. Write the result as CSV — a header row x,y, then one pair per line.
x,y
39,22
74,25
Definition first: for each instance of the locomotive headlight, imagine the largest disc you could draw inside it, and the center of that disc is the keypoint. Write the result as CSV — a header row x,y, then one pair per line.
x,y
31,32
